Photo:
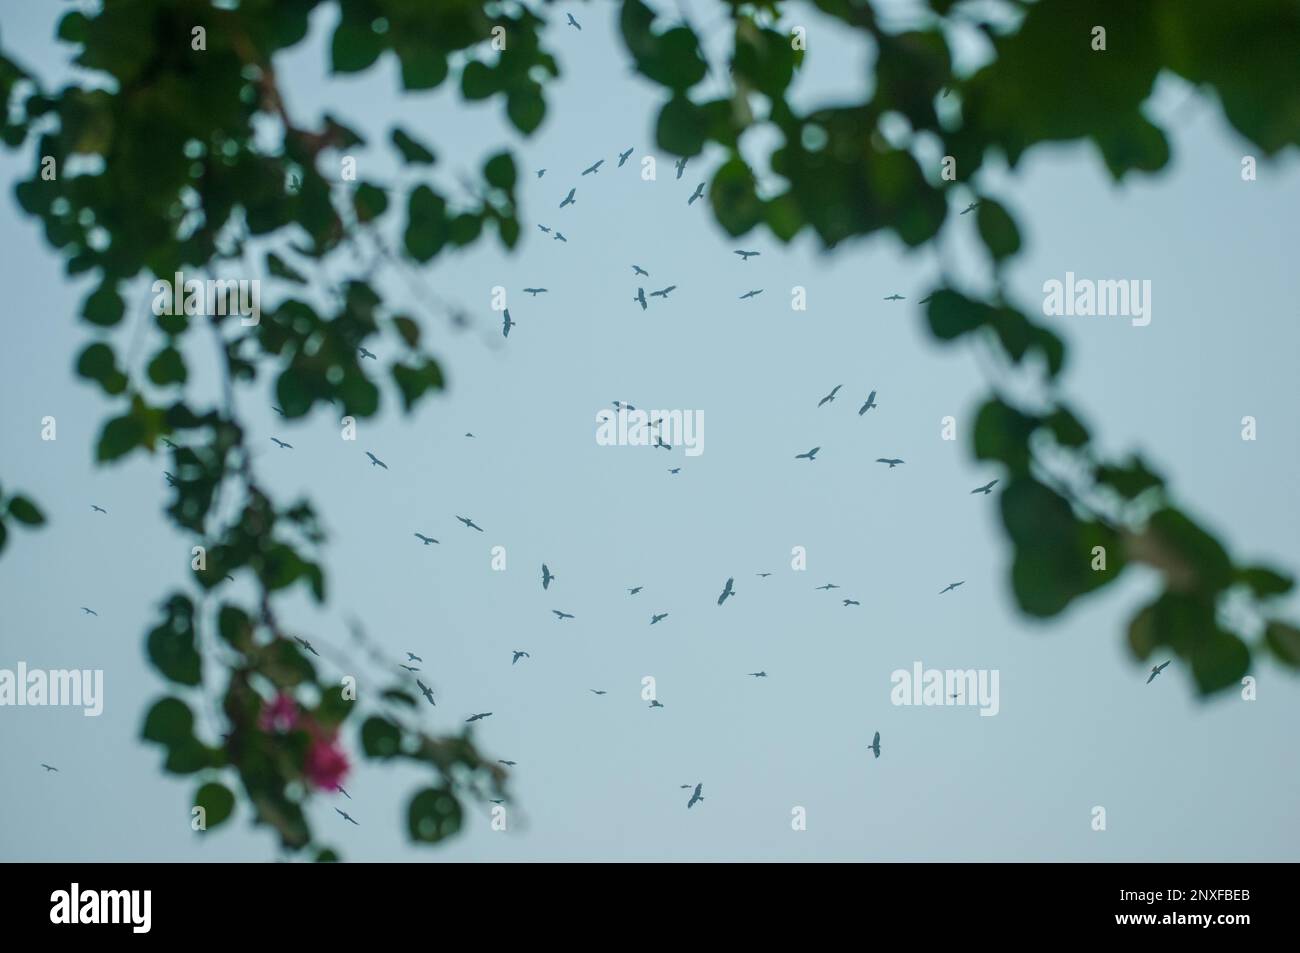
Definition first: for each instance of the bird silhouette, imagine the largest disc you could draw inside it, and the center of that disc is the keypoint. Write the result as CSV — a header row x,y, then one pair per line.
x,y
375,461
559,237
534,291
829,586
660,445
547,576
470,523
619,405
745,255
47,767
281,444
595,167
696,796
574,23
726,591
640,298
663,292
926,299
951,586
762,575
623,157
409,668
518,655
893,462
634,590
654,618
895,297
540,173
569,199
986,489
306,645
656,703
477,717
427,692
562,615
365,353
507,324
697,194
339,788
638,270
412,657
751,294
425,539
871,402
758,674
970,208
544,228
171,480
810,455
98,509
597,691
346,816
89,611
875,744
674,469
1156,670
508,764
831,396
681,166
851,602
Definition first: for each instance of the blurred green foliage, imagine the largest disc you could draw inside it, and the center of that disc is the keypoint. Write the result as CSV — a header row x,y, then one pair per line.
x,y
172,175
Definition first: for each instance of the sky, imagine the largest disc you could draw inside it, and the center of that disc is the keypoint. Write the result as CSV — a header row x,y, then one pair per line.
x,y
599,777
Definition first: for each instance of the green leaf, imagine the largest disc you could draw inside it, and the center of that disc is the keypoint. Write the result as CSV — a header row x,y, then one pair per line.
x,y
120,436
167,367
1182,545
951,314
682,127
171,646
1265,582
217,801
25,511
426,227
500,171
1065,427
1052,565
526,108
413,152
997,229
369,202
423,67
434,814
104,306
1002,433
1284,640
415,382
477,81
734,200
355,47
1219,661
168,722
279,268
380,738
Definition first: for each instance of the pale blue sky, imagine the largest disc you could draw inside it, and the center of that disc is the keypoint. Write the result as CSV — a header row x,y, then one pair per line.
x,y
598,778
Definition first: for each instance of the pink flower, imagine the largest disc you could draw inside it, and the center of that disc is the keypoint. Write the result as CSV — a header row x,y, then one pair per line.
x,y
281,715
326,765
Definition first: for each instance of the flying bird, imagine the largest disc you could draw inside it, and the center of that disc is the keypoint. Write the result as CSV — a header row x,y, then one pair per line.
x,y
427,692
365,353
727,591
89,611
638,270
674,469
425,539
518,655
810,455
597,691
851,602
892,462
951,586
540,173
751,294
663,292
171,480
926,299
409,668
98,509
640,298
48,767
634,590
559,237
656,703
508,764
547,576
507,324
346,816
828,586
470,523
569,199
375,461
339,788
562,615
969,208
619,405
278,410
875,744
659,444
745,255
697,194
762,575
656,618
478,717
871,402
758,674
696,795
544,228
895,297
1156,670
281,444
534,291
412,657
307,645
623,157
681,166
574,23
986,489
594,168
831,396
